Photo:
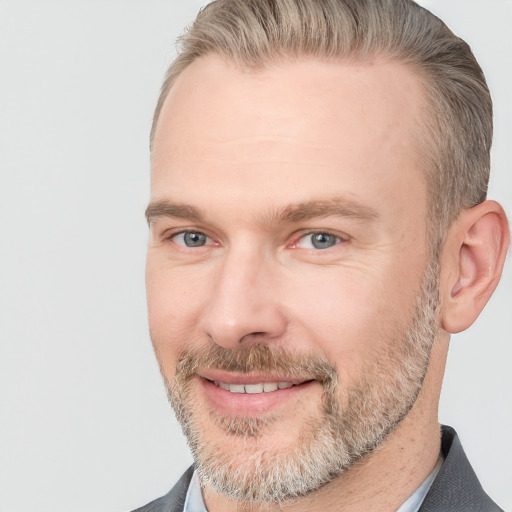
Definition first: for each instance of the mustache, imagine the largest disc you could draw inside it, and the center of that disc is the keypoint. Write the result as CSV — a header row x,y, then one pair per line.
x,y
257,358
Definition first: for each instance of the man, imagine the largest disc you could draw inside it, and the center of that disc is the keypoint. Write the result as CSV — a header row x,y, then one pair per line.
x,y
319,228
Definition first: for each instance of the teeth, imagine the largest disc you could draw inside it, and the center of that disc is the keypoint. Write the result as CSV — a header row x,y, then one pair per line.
x,y
266,387
254,388
237,388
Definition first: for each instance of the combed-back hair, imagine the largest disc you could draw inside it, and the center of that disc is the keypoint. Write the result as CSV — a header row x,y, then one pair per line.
x,y
456,135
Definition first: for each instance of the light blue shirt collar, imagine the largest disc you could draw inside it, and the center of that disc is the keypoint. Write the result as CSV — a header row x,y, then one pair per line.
x,y
194,501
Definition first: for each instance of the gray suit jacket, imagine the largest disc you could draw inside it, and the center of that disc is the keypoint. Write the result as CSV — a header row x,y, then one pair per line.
x,y
455,489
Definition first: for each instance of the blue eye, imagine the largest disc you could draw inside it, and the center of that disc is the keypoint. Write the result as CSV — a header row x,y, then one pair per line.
x,y
318,241
191,239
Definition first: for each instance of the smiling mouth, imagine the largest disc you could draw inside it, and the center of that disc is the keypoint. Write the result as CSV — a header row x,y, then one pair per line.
x,y
256,388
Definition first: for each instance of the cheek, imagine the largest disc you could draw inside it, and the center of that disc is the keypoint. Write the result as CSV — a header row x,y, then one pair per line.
x,y
350,318
174,302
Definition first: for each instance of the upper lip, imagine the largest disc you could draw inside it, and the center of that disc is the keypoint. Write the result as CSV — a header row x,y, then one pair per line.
x,y
244,378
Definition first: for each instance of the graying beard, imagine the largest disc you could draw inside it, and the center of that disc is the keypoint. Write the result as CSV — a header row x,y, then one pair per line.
x,y
243,427
331,442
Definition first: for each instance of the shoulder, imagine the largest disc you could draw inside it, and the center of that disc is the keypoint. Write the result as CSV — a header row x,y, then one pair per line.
x,y
174,500
456,486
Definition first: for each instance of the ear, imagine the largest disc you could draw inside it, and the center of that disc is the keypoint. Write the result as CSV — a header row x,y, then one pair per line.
x,y
472,260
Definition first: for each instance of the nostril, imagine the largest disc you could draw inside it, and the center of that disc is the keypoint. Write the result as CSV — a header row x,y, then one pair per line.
x,y
252,334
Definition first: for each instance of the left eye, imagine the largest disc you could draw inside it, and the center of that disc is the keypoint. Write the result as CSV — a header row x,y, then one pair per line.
x,y
318,241
191,239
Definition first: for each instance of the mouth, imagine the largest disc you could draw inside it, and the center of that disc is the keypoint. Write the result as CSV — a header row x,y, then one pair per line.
x,y
250,395
259,387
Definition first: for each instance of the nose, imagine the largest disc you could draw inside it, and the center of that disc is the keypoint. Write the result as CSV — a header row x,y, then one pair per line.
x,y
244,305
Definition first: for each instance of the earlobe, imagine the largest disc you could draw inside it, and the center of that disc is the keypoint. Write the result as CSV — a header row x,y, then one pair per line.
x,y
473,257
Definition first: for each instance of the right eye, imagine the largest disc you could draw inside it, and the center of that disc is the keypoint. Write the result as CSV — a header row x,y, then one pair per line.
x,y
191,239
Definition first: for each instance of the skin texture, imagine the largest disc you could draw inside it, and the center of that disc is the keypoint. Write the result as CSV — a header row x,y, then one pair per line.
x,y
235,153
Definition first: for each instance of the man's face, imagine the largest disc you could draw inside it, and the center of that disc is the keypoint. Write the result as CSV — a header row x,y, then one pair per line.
x,y
286,264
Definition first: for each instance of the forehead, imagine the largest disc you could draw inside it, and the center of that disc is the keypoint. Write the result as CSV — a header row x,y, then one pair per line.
x,y
306,122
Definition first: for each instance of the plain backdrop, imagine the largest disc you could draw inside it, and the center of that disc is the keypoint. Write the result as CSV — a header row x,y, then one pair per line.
x,y
84,421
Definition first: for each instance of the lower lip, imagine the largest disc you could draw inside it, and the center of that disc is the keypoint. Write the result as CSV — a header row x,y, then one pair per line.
x,y
250,404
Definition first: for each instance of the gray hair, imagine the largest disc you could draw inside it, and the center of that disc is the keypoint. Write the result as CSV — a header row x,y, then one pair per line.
x,y
456,135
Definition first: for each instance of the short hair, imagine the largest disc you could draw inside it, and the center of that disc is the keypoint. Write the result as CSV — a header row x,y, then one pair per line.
x,y
456,132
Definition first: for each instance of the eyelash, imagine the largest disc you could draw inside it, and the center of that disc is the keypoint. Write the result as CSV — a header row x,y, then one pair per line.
x,y
184,232
338,239
296,244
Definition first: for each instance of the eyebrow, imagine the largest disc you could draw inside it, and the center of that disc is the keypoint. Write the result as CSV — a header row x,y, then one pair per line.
x,y
167,209
337,207
296,212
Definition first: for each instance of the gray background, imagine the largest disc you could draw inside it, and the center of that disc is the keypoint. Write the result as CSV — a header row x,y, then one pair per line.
x,y
84,421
